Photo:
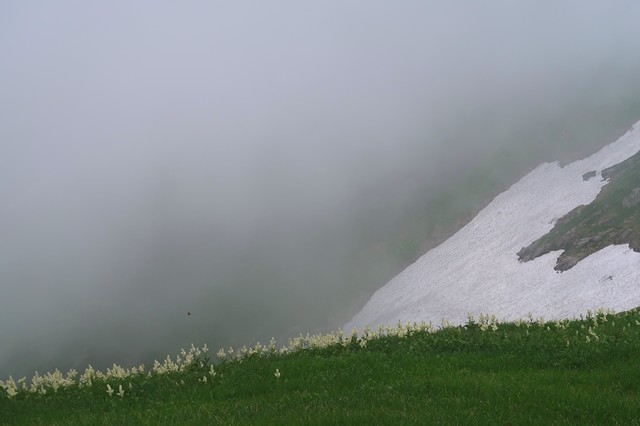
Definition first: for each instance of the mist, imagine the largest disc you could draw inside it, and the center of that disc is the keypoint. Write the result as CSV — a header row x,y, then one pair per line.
x,y
178,172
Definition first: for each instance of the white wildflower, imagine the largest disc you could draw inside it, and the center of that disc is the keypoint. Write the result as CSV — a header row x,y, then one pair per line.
x,y
10,388
120,391
470,319
277,373
11,392
109,390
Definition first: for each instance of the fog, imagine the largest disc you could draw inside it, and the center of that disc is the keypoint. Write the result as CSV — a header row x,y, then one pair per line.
x,y
249,163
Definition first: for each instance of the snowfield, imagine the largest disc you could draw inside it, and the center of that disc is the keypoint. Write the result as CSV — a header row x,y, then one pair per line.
x,y
477,270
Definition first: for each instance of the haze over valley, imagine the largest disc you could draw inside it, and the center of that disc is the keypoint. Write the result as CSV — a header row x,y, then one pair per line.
x,y
203,172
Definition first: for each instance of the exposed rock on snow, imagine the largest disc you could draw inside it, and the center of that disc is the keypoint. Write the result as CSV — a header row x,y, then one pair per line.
x,y
477,270
609,219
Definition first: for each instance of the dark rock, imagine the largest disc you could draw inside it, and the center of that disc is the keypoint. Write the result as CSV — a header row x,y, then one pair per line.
x,y
607,218
589,175
583,242
524,255
605,235
613,171
624,236
566,262
632,199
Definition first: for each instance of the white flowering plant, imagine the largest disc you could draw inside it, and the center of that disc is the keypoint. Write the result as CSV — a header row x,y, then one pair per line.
x,y
582,340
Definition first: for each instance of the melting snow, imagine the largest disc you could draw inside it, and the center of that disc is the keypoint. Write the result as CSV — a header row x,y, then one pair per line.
x,y
477,270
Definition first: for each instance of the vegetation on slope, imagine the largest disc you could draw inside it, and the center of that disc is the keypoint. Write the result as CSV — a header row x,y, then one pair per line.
x,y
530,371
612,218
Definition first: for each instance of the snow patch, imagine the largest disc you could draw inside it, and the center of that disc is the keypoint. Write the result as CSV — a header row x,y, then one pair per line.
x,y
477,270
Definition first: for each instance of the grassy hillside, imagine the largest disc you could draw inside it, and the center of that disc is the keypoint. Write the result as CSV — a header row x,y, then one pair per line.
x,y
532,371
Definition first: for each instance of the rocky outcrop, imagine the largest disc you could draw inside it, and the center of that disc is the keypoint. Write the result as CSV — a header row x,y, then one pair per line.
x,y
632,199
612,218
589,175
614,171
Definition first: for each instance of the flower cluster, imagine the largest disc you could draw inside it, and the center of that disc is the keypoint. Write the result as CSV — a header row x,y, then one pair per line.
x,y
56,380
356,339
485,322
184,360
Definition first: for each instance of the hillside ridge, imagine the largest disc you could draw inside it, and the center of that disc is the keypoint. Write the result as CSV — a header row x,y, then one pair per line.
x,y
477,270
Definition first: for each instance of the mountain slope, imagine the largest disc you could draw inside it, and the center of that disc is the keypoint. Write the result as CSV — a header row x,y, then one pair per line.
x,y
478,271
612,218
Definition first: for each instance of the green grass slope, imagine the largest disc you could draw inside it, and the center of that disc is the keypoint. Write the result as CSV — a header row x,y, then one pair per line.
x,y
582,371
